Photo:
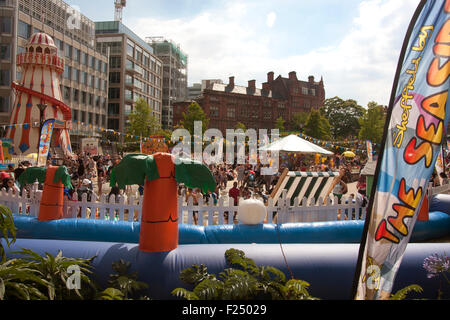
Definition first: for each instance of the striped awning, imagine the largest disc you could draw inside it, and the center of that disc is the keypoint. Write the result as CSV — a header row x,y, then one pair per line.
x,y
305,185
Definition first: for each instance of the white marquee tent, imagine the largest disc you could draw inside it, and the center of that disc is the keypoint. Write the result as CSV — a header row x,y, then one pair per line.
x,y
293,143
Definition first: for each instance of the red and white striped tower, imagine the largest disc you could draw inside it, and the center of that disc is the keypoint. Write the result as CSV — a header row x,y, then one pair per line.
x,y
41,70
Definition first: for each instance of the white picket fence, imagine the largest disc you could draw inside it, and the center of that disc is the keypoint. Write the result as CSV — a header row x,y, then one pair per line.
x,y
207,213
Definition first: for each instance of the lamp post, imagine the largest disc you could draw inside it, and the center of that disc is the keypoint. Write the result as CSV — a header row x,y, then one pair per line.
x,y
42,108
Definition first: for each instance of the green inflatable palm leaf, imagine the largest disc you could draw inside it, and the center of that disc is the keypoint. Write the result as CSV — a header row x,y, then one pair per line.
x,y
194,174
62,175
134,169
31,174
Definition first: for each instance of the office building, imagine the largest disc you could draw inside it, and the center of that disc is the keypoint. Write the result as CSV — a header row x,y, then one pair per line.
x,y
134,72
175,66
84,84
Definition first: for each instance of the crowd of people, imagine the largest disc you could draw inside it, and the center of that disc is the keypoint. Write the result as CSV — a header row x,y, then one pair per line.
x,y
90,173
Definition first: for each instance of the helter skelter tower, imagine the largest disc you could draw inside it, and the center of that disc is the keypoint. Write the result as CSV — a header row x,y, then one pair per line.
x,y
39,88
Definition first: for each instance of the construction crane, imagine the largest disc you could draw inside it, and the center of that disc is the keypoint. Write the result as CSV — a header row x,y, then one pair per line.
x,y
119,5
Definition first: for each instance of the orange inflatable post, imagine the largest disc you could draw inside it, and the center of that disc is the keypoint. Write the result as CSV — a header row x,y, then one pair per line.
x,y
51,207
159,222
423,213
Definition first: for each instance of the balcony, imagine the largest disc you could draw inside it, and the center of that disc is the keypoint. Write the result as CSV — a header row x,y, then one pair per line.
x,y
38,58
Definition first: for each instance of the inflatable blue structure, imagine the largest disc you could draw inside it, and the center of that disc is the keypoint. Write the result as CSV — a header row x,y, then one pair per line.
x,y
322,253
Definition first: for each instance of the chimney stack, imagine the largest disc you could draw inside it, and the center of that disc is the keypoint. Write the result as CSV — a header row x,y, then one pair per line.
x,y
311,79
252,84
270,76
231,82
293,75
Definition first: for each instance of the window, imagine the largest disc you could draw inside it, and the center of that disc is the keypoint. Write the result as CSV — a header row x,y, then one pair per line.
x,y
23,30
5,77
83,97
75,75
304,90
75,95
5,25
128,109
91,99
68,50
130,48
113,124
113,108
312,92
5,52
83,58
214,111
75,114
114,62
83,77
83,116
114,93
114,77
76,55
231,112
66,93
91,62
4,104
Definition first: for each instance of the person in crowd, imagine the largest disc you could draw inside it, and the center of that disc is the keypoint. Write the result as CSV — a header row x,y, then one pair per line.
x,y
234,194
444,178
9,184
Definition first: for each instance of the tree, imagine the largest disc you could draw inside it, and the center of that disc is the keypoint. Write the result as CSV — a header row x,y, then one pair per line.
x,y
343,116
240,125
317,126
279,124
141,120
194,113
372,123
299,120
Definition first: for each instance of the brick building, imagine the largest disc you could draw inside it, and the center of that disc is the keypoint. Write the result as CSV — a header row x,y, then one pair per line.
x,y
227,104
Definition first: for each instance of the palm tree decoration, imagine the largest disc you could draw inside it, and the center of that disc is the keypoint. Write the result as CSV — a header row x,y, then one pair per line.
x,y
160,173
54,179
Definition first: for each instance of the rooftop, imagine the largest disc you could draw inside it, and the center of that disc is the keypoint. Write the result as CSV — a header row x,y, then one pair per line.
x,y
105,27
241,90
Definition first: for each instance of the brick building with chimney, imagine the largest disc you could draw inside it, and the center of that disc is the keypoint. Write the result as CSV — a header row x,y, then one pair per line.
x,y
227,104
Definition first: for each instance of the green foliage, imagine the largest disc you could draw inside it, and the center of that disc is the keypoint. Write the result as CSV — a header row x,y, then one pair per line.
x,y
299,120
343,116
54,271
194,113
141,121
317,126
372,123
8,230
124,282
19,280
63,176
243,280
240,125
402,293
279,123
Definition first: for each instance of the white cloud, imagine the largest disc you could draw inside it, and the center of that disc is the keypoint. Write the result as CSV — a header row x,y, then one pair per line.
x,y
229,42
270,20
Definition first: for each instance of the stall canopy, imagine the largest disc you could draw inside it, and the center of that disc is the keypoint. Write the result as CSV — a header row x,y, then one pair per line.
x,y
293,143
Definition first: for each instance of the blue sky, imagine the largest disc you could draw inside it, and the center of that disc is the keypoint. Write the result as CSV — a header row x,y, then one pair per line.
x,y
353,44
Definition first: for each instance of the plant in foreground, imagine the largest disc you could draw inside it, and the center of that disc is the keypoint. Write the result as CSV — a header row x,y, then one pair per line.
x,y
123,285
437,266
243,280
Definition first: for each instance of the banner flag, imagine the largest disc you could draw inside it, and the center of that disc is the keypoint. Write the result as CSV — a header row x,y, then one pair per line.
x,y
417,116
44,142
369,151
